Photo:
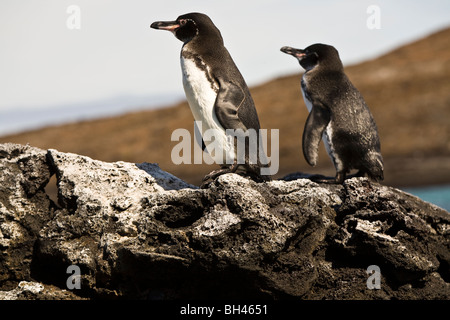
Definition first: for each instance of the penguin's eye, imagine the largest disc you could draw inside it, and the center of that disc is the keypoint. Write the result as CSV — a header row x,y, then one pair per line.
x,y
182,22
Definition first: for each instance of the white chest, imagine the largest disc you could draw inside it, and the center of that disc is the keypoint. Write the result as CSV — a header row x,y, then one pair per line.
x,y
307,101
328,133
199,93
201,98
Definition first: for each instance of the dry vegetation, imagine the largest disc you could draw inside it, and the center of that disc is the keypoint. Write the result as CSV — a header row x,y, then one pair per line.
x,y
407,90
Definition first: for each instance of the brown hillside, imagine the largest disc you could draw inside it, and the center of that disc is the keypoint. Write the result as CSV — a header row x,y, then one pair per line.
x,y
407,90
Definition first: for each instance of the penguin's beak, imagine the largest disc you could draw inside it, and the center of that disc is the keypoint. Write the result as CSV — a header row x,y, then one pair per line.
x,y
298,53
165,25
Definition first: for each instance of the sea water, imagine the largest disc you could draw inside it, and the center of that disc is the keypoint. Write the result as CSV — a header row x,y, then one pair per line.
x,y
438,195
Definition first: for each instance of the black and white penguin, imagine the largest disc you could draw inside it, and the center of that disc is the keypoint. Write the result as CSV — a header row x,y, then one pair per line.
x,y
215,89
338,114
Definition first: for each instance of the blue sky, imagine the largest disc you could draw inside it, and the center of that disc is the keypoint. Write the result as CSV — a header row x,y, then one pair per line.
x,y
43,63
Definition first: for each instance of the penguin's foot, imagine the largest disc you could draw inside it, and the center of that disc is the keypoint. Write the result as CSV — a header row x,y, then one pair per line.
x,y
339,179
367,174
214,174
252,174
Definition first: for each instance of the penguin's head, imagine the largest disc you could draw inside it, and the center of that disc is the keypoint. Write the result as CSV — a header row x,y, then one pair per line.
x,y
316,55
189,26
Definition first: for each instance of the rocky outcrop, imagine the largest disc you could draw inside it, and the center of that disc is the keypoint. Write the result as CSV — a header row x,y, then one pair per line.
x,y
135,231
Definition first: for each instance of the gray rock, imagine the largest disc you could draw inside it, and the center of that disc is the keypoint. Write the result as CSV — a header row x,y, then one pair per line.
x,y
135,231
28,290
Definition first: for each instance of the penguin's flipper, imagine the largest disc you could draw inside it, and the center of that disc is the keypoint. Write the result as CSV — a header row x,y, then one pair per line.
x,y
317,121
229,98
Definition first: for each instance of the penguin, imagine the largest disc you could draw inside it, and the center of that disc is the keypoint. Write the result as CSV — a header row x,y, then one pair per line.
x,y
338,114
216,91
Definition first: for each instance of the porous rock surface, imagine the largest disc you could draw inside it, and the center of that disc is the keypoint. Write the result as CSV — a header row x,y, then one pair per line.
x,y
137,232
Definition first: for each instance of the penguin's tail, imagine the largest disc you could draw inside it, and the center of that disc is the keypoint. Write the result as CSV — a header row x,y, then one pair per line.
x,y
375,168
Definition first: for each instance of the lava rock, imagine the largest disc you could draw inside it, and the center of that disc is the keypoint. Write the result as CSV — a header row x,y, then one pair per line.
x,y
134,231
